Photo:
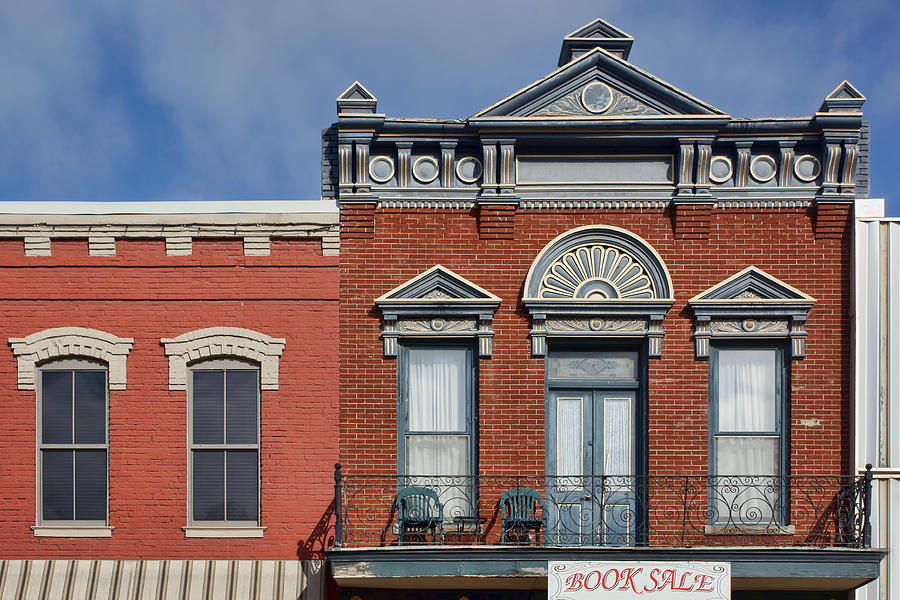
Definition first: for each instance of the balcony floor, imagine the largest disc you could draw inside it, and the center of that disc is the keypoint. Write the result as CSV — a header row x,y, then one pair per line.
x,y
511,567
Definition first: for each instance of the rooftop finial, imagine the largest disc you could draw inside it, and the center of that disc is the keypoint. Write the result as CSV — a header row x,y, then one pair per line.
x,y
596,34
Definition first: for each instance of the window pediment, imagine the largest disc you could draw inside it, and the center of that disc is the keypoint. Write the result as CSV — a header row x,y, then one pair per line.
x,y
751,304
223,342
437,302
60,342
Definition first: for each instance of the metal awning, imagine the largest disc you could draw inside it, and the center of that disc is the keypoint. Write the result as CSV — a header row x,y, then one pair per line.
x,y
162,579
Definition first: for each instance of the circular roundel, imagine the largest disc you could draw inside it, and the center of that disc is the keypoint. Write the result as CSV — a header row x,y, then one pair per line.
x,y
425,169
596,97
807,168
720,169
762,168
468,169
381,169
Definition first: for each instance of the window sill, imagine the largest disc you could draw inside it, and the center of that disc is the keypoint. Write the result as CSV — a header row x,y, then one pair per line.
x,y
223,532
738,529
72,531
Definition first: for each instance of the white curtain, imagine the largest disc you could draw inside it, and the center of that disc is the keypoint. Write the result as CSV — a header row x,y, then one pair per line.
x,y
569,445
437,389
437,397
747,404
617,438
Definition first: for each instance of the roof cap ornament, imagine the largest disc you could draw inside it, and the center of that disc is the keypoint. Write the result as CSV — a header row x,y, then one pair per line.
x,y
596,34
845,98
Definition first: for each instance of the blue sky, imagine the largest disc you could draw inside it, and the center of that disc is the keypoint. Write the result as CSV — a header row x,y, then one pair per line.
x,y
226,99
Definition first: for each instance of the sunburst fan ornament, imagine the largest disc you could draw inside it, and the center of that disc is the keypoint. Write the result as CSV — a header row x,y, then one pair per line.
x,y
596,272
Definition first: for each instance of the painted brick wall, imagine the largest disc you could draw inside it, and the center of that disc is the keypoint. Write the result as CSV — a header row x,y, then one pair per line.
x,y
511,400
144,294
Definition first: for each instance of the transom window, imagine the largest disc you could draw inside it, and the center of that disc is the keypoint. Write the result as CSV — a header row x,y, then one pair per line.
x,y
224,442
72,443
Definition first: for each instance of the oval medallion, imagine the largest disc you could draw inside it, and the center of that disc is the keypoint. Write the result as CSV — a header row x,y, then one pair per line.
x,y
720,169
596,97
381,169
468,169
807,168
762,168
425,169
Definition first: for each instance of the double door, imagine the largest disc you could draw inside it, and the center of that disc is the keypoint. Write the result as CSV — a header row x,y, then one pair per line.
x,y
592,486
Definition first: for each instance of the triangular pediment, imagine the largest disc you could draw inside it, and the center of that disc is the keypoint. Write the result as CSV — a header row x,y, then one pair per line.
x,y
752,285
844,98
356,99
596,33
598,84
356,91
438,284
844,90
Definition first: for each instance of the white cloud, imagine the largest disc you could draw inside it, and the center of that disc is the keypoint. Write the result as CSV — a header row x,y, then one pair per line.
x,y
227,99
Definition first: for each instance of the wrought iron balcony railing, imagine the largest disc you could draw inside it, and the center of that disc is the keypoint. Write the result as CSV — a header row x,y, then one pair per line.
x,y
662,511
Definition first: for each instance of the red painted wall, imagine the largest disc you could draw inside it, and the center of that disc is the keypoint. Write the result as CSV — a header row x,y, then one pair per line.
x,y
144,294
404,243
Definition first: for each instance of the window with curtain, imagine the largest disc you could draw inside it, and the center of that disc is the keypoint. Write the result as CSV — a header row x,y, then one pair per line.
x,y
224,443
436,432
748,445
72,443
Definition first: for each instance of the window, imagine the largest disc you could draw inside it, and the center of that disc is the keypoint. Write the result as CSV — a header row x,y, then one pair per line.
x,y
72,443
748,447
224,443
435,437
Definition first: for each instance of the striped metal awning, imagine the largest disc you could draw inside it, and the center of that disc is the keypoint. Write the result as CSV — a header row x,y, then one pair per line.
x,y
162,579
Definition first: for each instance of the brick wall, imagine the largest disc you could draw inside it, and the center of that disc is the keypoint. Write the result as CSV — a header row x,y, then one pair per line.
x,y
511,399
144,294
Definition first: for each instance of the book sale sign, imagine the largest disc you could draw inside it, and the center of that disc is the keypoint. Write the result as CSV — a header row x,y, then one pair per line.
x,y
638,580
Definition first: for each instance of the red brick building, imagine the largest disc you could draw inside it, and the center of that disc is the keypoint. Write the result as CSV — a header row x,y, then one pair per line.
x,y
169,399
598,320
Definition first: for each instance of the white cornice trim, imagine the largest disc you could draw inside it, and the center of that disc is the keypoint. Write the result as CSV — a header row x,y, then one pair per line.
x,y
170,208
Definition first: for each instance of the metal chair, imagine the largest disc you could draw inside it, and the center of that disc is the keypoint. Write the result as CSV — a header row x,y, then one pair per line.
x,y
419,510
520,511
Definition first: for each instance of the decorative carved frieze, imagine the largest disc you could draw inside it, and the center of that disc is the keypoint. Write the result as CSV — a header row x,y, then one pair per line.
x,y
740,326
582,103
596,325
437,325
596,271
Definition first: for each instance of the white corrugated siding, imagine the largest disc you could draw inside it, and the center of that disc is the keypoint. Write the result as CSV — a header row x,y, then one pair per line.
x,y
161,579
877,387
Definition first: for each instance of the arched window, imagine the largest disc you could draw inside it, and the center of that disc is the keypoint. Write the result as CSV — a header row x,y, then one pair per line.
x,y
223,370
72,370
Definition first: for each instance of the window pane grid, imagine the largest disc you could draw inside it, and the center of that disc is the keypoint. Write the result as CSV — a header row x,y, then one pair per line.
x,y
73,446
225,448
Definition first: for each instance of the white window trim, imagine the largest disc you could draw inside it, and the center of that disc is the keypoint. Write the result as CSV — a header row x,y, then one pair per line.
x,y
73,531
75,527
62,342
223,529
223,342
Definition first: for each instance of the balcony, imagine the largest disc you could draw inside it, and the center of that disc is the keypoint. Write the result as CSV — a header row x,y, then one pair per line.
x,y
667,511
